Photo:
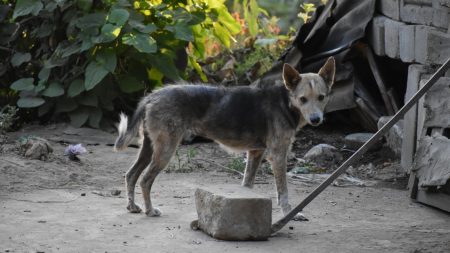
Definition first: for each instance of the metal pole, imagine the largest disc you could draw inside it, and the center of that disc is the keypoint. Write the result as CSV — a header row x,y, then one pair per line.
x,y
282,222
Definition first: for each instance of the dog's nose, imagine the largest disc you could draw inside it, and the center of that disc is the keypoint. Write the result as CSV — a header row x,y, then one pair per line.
x,y
315,119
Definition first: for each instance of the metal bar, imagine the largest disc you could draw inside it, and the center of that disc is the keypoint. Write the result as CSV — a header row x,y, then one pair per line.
x,y
283,221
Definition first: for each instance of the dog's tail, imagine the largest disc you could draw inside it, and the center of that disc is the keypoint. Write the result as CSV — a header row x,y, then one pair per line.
x,y
128,131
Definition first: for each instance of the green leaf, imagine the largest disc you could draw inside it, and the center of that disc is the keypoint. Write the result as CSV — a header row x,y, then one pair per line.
x,y
251,15
142,42
55,89
84,5
65,105
118,16
95,116
109,32
79,117
44,74
30,102
90,21
88,99
18,58
71,49
197,68
200,41
222,34
75,88
107,59
149,28
40,87
181,31
25,7
23,84
165,65
94,74
228,21
129,84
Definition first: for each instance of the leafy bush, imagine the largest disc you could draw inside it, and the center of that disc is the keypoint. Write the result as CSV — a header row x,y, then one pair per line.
x,y
79,57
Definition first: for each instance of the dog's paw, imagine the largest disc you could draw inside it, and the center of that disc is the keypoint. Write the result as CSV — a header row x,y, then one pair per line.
x,y
133,208
154,212
300,217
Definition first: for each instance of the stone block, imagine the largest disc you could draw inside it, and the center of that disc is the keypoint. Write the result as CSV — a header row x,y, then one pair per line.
x,y
392,37
390,8
431,45
376,35
232,212
416,12
406,41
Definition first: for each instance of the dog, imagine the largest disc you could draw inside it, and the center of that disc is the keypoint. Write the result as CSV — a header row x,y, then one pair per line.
x,y
259,121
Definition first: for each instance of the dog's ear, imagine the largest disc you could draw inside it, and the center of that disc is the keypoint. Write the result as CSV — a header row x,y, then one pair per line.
x,y
291,77
327,72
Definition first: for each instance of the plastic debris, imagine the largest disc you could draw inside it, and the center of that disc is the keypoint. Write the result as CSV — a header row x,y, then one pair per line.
x,y
72,151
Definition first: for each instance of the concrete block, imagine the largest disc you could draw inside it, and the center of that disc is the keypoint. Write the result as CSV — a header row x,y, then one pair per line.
x,y
406,41
376,35
437,3
392,37
441,17
232,212
431,45
416,12
390,8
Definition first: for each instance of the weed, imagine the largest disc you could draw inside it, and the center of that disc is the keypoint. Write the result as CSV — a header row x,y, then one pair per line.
x,y
7,117
237,164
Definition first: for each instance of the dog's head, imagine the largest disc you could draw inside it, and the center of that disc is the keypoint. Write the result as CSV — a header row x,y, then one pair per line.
x,y
309,92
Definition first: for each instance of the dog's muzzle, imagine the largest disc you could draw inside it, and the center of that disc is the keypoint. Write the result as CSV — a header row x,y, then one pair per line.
x,y
315,119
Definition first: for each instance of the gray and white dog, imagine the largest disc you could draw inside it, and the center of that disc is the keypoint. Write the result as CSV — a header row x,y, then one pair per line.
x,y
256,120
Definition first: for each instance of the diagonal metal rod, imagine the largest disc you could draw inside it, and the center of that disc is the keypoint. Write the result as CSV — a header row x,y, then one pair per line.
x,y
283,221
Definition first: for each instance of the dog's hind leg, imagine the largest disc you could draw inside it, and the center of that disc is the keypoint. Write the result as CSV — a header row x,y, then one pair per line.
x,y
254,158
132,175
164,146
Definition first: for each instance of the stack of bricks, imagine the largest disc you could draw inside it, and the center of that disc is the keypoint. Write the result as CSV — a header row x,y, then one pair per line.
x,y
415,32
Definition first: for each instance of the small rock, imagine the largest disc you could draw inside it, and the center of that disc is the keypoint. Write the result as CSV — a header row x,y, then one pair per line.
x,y
115,192
367,169
35,147
356,140
83,194
323,152
394,137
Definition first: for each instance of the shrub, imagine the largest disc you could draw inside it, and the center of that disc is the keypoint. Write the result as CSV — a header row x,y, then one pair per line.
x,y
79,58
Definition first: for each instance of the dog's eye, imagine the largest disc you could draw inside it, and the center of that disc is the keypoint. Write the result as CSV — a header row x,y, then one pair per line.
x,y
303,100
321,97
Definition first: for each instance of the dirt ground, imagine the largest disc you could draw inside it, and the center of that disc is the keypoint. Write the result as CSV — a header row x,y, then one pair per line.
x,y
60,205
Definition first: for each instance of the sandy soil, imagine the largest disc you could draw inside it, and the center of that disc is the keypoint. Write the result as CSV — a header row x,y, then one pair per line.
x,y
63,206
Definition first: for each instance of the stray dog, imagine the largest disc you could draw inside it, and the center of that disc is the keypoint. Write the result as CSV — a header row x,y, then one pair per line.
x,y
256,120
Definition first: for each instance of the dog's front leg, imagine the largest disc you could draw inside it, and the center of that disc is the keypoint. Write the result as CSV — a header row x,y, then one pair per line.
x,y
254,158
278,160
